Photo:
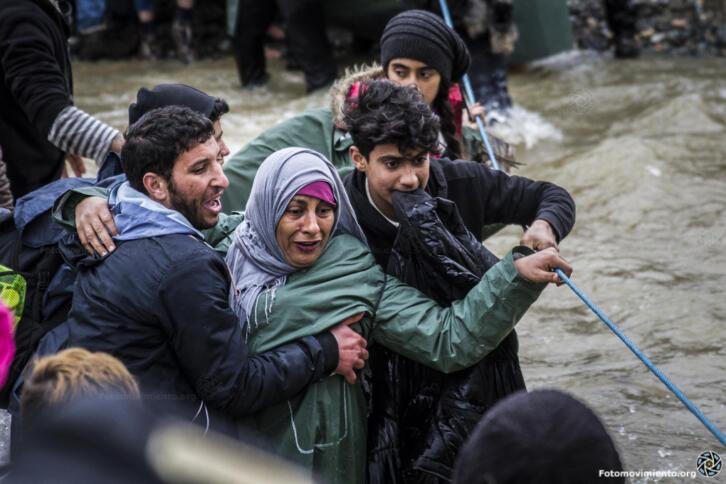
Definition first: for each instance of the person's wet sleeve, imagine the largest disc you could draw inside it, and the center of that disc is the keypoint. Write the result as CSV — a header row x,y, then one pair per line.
x,y
64,208
221,236
311,129
491,196
75,131
210,346
453,338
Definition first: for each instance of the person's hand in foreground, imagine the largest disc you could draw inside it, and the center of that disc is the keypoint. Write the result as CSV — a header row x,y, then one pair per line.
x,y
474,111
540,266
95,225
351,347
76,163
540,236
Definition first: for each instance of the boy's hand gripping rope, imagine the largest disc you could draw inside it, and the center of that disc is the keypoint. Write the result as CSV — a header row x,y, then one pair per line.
x,y
710,426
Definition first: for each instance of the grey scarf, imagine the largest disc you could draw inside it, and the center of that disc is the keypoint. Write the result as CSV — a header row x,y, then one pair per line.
x,y
255,258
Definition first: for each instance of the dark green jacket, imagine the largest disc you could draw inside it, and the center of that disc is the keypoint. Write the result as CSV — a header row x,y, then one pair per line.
x,y
312,129
323,428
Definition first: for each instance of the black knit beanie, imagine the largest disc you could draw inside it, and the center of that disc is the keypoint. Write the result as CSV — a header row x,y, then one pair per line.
x,y
542,437
170,95
423,36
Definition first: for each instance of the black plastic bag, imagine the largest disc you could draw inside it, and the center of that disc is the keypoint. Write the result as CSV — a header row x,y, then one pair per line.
x,y
419,417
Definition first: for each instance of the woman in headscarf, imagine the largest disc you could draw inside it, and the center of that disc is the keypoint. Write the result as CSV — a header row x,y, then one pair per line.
x,y
419,49
300,264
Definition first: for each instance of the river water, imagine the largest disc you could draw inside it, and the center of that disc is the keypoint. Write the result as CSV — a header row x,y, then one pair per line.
x,y
641,146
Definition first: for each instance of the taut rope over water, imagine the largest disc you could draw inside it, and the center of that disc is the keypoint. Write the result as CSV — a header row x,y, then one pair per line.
x,y
683,398
661,376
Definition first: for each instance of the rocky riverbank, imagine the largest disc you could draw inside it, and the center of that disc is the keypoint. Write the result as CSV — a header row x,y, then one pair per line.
x,y
679,27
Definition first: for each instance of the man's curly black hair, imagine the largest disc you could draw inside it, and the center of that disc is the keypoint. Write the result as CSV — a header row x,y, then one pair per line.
x,y
158,139
388,113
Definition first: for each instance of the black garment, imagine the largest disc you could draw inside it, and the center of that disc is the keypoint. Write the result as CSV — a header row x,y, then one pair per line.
x,y
418,34
542,437
433,413
36,85
482,197
160,305
621,17
101,439
420,417
307,42
488,74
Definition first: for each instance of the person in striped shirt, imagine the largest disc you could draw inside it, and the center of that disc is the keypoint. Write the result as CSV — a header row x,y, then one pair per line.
x,y
39,125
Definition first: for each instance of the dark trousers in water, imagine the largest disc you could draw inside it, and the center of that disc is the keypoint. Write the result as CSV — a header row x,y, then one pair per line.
x,y
621,16
307,42
488,75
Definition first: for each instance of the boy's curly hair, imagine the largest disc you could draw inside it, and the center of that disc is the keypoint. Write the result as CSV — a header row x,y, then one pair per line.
x,y
388,113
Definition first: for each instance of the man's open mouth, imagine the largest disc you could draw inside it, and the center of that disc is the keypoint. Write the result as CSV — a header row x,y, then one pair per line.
x,y
213,205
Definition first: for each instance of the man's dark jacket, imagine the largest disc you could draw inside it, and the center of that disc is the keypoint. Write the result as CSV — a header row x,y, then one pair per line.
x,y
160,305
35,86
482,197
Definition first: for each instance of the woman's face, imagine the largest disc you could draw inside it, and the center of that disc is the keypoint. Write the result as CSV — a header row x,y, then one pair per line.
x,y
409,72
304,229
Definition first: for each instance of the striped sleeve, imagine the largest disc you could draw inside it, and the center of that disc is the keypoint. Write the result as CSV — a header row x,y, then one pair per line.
x,y
75,131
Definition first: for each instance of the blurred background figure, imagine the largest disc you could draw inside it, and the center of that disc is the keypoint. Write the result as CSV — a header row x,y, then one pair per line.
x,y
542,437
105,29
487,27
39,125
308,47
181,30
90,16
621,17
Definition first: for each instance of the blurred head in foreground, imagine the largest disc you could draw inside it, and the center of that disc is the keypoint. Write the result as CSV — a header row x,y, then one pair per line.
x,y
542,437
73,374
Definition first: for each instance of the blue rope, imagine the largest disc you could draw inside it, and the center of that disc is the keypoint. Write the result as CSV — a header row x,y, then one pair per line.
x,y
470,94
681,396
719,435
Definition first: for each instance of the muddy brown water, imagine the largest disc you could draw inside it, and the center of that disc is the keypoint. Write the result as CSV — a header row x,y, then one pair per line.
x,y
641,146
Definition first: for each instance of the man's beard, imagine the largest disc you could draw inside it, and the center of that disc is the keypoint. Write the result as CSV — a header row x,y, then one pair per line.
x,y
189,209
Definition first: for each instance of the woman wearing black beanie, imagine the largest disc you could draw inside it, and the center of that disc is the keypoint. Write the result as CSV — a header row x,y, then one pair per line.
x,y
438,58
419,49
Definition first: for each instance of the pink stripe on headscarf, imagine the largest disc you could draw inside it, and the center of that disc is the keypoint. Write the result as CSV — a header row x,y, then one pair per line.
x,y
320,190
7,344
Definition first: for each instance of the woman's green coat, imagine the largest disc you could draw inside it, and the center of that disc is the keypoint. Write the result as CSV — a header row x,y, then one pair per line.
x,y
323,428
314,129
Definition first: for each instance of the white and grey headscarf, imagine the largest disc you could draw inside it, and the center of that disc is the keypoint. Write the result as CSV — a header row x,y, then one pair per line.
x,y
255,258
